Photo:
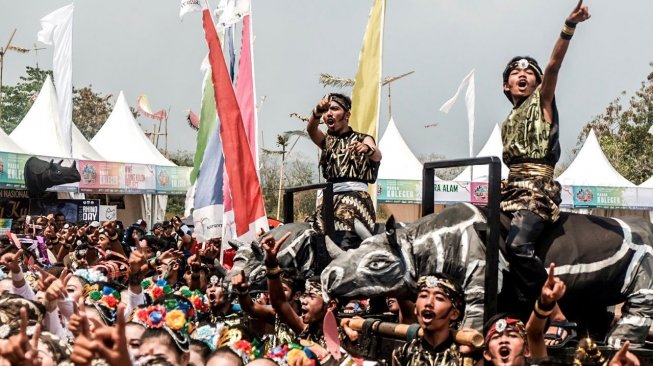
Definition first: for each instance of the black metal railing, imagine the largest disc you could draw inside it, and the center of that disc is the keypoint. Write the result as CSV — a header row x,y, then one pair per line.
x,y
492,242
327,204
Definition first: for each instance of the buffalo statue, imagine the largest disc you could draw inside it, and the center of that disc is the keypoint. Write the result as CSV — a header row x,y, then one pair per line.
x,y
603,261
41,175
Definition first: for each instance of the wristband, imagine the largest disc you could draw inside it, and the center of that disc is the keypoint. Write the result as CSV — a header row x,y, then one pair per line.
x,y
271,264
570,24
542,311
242,293
317,115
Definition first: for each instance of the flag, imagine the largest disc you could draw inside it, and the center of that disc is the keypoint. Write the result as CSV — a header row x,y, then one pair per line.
x,y
144,107
232,12
193,120
57,30
239,165
245,91
470,98
208,120
188,6
366,95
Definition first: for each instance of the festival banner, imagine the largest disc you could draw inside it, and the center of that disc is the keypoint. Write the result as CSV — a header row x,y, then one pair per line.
x,y
12,170
13,203
479,193
172,179
398,191
604,197
138,178
110,177
73,210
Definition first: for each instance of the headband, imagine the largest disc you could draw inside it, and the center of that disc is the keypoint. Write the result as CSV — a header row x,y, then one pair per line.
x,y
522,64
313,287
450,288
506,325
344,102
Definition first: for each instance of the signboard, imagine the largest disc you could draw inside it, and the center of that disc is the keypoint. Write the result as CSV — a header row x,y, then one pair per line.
x,y
109,177
73,210
108,212
12,170
399,191
604,197
13,203
172,179
479,193
449,191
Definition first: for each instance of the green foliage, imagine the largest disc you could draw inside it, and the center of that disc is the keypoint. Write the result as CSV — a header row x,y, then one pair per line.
x,y
90,109
622,131
17,99
176,203
297,172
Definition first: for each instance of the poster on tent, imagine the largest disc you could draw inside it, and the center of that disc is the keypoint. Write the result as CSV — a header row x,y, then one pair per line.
x,y
138,178
172,179
99,176
645,197
74,210
479,193
398,191
12,170
604,197
449,191
13,203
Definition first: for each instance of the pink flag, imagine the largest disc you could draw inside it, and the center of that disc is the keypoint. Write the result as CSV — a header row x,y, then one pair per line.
x,y
245,187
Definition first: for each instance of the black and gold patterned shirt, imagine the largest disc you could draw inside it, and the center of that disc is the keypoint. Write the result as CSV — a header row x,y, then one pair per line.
x,y
419,352
339,164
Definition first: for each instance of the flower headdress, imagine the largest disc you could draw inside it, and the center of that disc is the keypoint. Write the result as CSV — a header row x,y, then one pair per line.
x,y
208,333
174,321
236,338
154,290
197,299
91,275
105,298
292,354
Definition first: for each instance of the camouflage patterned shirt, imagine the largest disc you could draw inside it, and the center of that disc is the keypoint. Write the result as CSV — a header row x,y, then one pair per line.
x,y
419,352
527,137
339,164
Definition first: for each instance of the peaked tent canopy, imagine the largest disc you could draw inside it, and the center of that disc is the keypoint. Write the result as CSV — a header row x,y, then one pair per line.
x,y
39,132
8,145
121,139
592,168
398,162
493,147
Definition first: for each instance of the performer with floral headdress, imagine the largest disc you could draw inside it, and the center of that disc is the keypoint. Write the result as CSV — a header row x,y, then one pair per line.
x,y
440,304
531,149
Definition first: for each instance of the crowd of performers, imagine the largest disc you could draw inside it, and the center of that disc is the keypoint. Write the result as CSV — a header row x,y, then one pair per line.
x,y
103,294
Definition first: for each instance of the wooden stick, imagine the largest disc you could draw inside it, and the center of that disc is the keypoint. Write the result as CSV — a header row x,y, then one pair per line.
x,y
468,337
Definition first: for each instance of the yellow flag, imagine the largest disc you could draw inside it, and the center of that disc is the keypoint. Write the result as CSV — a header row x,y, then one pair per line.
x,y
366,96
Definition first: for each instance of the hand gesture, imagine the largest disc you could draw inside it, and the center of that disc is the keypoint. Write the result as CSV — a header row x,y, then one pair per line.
x,y
79,325
359,148
271,247
623,357
170,254
580,13
553,288
211,251
13,260
194,263
136,261
19,349
111,342
323,105
240,283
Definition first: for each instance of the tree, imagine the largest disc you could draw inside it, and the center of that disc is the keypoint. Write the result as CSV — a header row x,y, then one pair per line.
x,y
176,203
445,173
90,109
622,131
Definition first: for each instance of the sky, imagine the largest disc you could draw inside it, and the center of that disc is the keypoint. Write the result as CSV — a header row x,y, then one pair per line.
x,y
141,47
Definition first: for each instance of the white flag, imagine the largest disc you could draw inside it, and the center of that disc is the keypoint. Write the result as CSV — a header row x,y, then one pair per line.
x,y
188,6
470,98
232,11
57,29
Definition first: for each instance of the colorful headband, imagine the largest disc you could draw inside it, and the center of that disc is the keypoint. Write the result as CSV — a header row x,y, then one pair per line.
x,y
174,322
506,325
105,301
234,338
196,298
522,64
209,334
449,288
155,290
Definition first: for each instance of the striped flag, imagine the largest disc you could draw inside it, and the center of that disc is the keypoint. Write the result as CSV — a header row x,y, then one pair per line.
x,y
366,95
249,211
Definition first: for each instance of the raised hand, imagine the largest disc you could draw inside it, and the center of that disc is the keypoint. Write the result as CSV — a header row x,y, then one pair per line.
x,y
580,13
136,261
271,247
111,342
624,358
18,349
13,260
240,282
211,251
553,288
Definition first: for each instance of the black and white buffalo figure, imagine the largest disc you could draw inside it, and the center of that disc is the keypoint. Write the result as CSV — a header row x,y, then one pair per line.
x,y
299,252
41,175
603,261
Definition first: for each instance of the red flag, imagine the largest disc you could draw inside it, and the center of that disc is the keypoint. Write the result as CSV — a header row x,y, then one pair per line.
x,y
245,187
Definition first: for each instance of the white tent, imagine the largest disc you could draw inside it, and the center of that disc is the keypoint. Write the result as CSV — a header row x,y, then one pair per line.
x,y
592,168
8,145
39,131
398,162
121,139
493,147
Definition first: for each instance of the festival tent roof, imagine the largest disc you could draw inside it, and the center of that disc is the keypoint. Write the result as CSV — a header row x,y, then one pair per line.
x,y
121,139
39,132
592,168
398,162
8,145
493,147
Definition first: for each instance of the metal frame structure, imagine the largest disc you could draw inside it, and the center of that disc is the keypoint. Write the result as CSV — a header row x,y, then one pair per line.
x,y
327,209
494,196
